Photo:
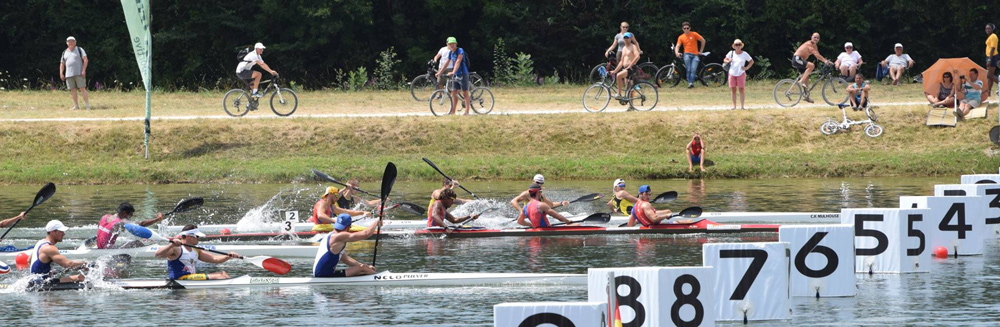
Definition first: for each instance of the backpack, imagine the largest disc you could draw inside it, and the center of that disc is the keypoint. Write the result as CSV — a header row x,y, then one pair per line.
x,y
242,53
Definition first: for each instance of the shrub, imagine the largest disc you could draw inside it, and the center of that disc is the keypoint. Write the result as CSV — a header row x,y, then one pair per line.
x,y
385,70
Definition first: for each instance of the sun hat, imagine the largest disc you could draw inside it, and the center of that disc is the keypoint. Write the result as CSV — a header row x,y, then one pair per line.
x,y
71,38
627,35
534,188
644,189
452,39
619,182
55,225
259,46
539,179
343,222
898,45
330,190
848,45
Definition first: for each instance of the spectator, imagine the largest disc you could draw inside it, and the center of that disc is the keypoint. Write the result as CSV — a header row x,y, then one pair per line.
x,y
992,57
619,42
898,62
689,40
695,152
244,70
857,92
849,60
972,93
442,58
946,93
73,70
456,59
800,61
739,62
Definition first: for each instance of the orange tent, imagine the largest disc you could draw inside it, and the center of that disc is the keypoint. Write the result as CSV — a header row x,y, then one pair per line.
x,y
957,67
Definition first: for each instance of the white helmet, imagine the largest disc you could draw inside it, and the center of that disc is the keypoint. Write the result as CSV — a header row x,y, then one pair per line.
x,y
539,179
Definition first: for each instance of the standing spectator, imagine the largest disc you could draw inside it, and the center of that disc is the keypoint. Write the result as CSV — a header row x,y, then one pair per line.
x,y
898,62
992,57
739,62
946,93
689,40
456,59
849,60
619,42
695,152
73,70
442,58
972,94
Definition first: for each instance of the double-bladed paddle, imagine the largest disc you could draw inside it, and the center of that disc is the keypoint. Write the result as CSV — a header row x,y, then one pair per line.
x,y
326,177
665,197
44,194
428,161
412,208
388,179
600,217
690,212
271,264
186,205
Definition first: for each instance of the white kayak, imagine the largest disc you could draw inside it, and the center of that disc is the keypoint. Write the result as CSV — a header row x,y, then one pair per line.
x,y
280,251
380,279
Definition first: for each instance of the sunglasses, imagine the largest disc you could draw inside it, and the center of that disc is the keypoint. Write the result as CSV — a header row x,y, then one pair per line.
x,y
624,26
622,185
738,44
686,28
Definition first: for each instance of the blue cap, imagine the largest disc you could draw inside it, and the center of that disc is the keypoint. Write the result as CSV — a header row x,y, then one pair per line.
x,y
627,35
644,189
343,222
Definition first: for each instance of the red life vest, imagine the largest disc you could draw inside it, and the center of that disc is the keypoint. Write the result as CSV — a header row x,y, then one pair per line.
x,y
430,218
104,237
640,215
535,215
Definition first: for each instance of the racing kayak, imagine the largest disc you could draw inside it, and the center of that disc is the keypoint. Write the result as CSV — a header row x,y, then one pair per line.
x,y
380,279
307,251
699,226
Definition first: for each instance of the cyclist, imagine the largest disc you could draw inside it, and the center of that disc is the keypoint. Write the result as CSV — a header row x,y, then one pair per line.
x,y
630,57
619,42
689,40
800,60
456,59
245,72
442,58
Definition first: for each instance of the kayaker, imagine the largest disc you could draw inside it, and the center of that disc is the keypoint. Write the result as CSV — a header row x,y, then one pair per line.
x,y
46,252
10,221
644,213
438,211
182,260
332,249
524,196
446,184
326,209
112,224
622,201
346,200
536,210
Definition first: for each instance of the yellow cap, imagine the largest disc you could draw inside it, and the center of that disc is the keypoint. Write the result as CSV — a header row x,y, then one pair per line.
x,y
330,190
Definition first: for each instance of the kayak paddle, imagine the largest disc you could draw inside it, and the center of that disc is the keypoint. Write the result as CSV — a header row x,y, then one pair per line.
x,y
690,212
428,161
588,198
600,217
271,264
326,177
388,179
413,208
665,197
186,205
44,194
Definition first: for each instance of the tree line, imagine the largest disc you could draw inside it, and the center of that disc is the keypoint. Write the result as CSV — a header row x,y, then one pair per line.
x,y
311,42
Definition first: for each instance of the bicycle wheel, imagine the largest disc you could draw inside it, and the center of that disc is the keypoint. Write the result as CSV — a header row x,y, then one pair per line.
x,y
714,75
286,102
643,96
440,102
646,72
596,98
476,80
598,73
421,85
874,130
835,91
481,100
829,127
787,93
871,113
236,103
667,76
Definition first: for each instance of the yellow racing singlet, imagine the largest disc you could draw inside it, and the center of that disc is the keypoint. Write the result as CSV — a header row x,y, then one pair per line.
x,y
623,205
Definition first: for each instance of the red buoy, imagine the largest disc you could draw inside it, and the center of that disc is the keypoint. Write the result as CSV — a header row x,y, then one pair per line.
x,y
21,260
941,252
225,231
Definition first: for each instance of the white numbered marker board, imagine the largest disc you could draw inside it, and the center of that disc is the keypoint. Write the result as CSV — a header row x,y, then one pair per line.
x,y
889,240
291,218
751,280
822,259
578,314
954,222
981,178
990,191
653,296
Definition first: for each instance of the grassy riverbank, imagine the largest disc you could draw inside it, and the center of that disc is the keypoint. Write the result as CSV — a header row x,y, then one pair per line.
x,y
644,145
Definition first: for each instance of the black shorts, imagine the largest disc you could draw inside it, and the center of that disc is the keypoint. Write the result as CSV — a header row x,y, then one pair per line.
x,y
992,62
245,75
799,64
339,273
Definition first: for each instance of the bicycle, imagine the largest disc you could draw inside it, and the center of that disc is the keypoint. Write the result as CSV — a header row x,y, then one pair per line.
x,y
238,102
788,92
711,74
422,84
599,72
873,129
642,95
481,99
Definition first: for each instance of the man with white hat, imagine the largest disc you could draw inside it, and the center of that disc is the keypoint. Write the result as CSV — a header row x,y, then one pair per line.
x,y
332,250
326,209
622,201
182,260
849,60
73,70
245,72
523,198
898,63
46,252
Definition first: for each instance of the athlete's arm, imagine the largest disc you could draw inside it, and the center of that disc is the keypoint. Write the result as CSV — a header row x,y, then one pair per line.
x,y
208,257
552,213
623,194
554,205
659,215
338,210
358,236
148,222
53,253
521,219
518,199
10,221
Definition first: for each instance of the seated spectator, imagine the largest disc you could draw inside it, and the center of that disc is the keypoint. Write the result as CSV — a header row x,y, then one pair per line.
x,y
857,92
971,96
695,153
898,63
945,96
848,61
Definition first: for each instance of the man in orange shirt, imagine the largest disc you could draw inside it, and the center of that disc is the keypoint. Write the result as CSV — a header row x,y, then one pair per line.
x,y
689,40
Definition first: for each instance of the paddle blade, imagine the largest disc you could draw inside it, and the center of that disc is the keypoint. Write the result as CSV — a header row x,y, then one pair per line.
x,y
271,264
188,204
692,212
388,179
995,135
665,197
44,194
600,217
413,208
139,231
588,198
324,176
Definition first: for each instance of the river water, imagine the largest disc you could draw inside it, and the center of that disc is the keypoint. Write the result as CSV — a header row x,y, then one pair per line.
x,y
954,292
